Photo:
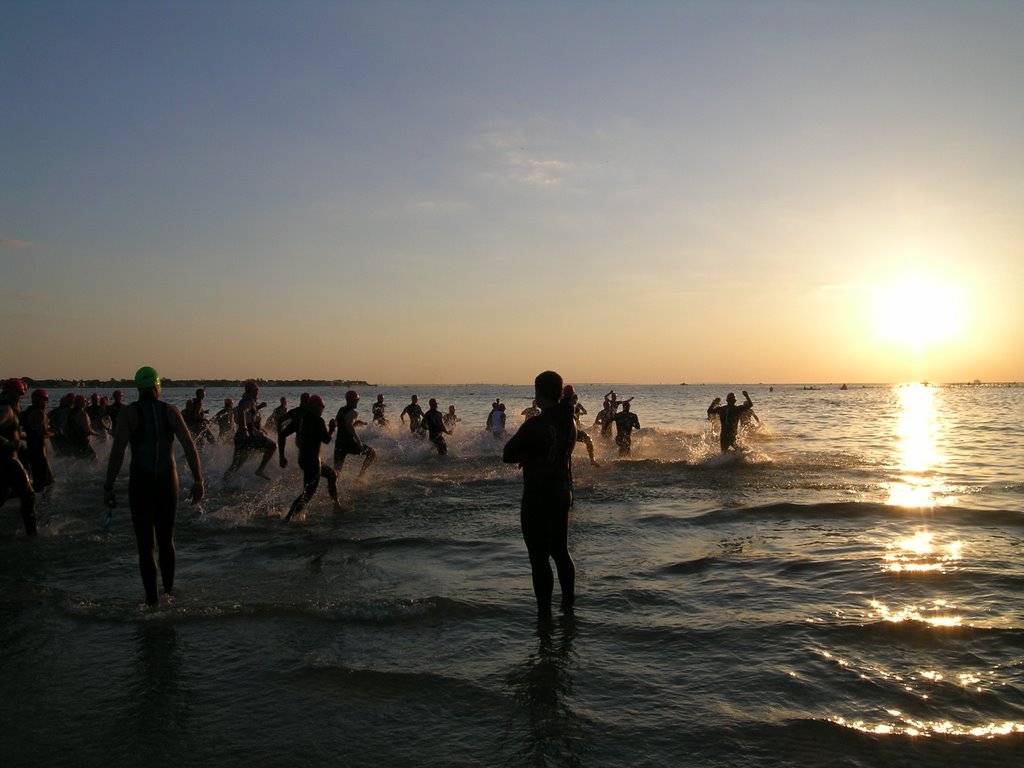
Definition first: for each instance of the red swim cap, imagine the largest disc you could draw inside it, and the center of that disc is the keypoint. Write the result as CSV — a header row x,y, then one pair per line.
x,y
315,401
228,402
16,385
250,385
80,401
40,394
351,396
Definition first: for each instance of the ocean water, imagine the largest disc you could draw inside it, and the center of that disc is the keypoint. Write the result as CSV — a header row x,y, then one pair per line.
x,y
847,591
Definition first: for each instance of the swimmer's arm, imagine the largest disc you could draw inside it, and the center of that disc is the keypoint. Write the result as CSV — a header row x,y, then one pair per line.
x,y
189,446
126,422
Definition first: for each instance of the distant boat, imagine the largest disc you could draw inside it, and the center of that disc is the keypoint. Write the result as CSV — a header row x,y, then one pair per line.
x,y
844,387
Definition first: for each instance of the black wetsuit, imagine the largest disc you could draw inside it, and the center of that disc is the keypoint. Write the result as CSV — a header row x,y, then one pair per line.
x,y
153,492
13,476
415,414
433,422
77,435
310,435
543,446
625,423
729,416
37,442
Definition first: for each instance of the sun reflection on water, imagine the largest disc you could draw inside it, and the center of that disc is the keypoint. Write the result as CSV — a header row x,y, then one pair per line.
x,y
917,440
920,553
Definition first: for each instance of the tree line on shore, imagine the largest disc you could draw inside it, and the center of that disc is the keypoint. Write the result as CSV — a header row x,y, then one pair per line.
x,y
168,383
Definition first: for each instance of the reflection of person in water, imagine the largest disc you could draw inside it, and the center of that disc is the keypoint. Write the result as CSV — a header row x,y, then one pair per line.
x,y
155,685
543,686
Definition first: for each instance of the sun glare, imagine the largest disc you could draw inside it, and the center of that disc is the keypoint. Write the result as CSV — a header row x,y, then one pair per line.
x,y
917,312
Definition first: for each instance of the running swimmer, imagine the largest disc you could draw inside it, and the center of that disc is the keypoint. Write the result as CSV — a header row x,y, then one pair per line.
x,y
625,422
415,413
36,426
310,435
433,422
348,442
729,415
249,436
13,476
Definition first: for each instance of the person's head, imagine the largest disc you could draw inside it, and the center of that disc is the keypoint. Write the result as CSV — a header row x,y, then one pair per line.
x,y
94,399
501,406
730,398
284,401
251,387
351,397
15,389
433,404
625,406
304,398
315,403
80,401
451,409
104,401
147,379
68,400
228,402
118,395
415,398
380,398
548,387
40,397
200,394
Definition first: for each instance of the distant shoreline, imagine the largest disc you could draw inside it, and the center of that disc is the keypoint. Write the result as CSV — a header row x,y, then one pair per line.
x,y
168,383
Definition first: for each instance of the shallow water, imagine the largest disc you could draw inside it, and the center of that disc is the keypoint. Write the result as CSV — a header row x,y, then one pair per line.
x,y
847,591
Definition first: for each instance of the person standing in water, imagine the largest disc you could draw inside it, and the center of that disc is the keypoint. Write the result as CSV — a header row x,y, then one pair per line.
x,y
149,426
378,412
543,448
577,411
729,415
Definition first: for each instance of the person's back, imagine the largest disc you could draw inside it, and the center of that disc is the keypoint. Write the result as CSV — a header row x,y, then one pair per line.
x,y
544,446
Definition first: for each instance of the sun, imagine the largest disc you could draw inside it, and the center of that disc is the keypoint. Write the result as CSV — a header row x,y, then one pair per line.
x,y
918,311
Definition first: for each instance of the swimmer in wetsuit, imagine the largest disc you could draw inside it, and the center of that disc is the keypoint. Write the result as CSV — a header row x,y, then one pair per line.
x,y
434,423
13,476
249,435
625,422
149,426
378,412
348,442
36,426
730,416
310,435
577,411
543,448
415,413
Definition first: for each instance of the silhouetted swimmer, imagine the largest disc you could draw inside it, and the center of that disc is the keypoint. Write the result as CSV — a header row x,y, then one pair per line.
x,y
433,422
35,425
729,415
450,419
79,430
149,426
577,411
415,413
13,476
310,435
378,412
348,442
249,435
543,448
625,422
225,419
496,419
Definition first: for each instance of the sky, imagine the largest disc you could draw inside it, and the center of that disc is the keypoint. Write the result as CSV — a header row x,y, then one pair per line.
x,y
472,191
